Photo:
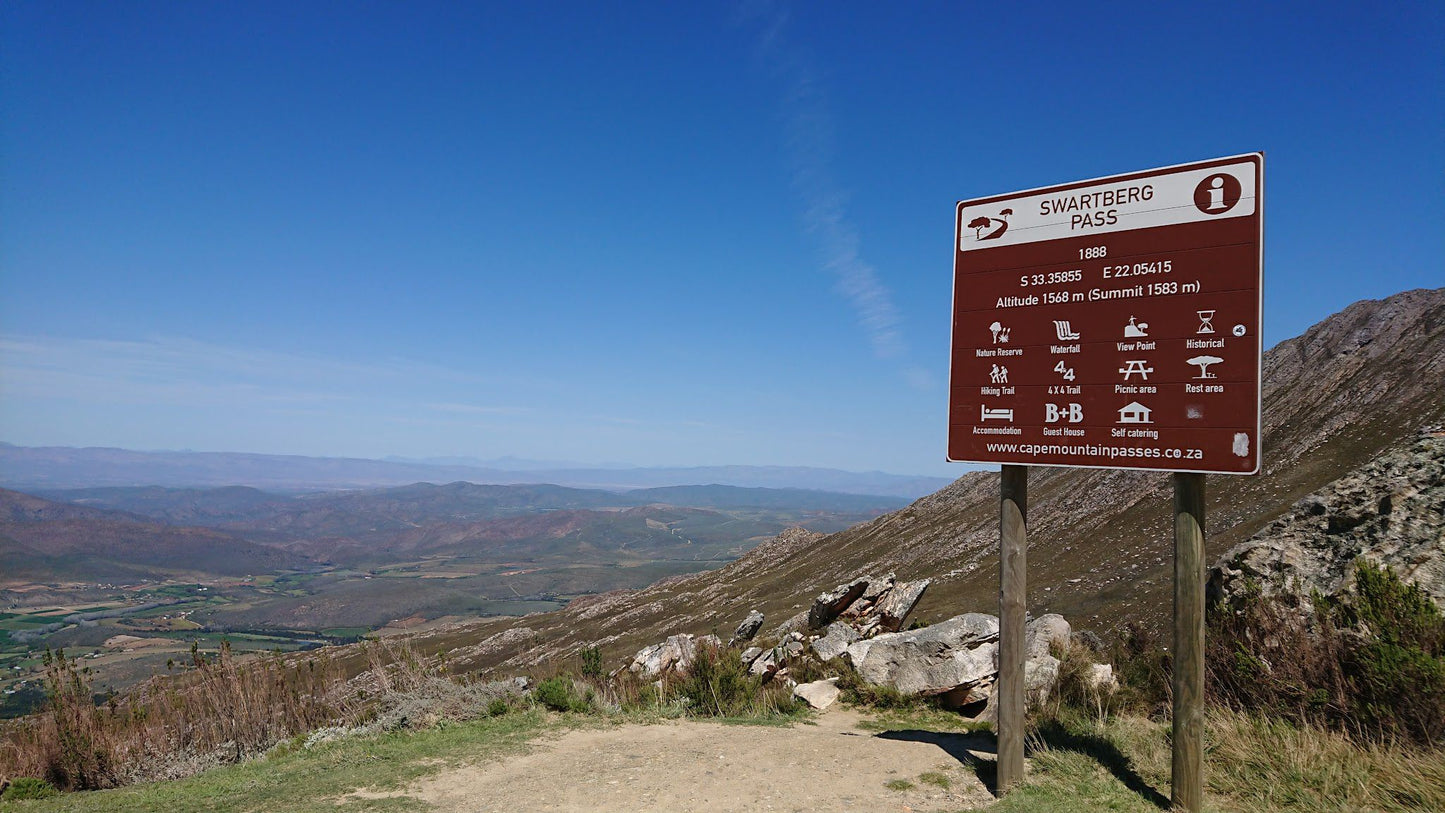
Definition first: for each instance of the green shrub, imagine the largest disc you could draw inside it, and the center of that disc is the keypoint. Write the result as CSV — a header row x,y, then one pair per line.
x,y
28,787
1399,676
591,658
560,694
717,684
498,707
1395,612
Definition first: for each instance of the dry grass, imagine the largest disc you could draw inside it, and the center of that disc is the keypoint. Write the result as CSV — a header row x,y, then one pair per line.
x,y
224,709
1252,764
1260,764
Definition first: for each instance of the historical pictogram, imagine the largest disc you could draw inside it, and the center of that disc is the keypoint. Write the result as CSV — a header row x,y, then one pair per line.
x,y
1206,322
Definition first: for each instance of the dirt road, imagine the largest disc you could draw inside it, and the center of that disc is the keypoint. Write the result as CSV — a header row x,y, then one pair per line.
x,y
830,765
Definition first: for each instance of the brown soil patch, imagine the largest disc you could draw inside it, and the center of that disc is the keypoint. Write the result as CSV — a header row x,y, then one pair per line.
x,y
831,765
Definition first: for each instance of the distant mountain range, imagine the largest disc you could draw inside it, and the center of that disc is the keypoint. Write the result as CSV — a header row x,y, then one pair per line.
x,y
55,542
32,468
354,558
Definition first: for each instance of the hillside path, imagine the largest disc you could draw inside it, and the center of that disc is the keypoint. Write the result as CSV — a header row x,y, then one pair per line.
x,y
830,764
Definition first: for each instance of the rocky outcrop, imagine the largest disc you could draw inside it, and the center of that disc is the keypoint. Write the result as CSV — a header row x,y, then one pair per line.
x,y
748,629
900,601
869,605
835,641
932,660
1042,634
1391,513
955,660
831,604
676,654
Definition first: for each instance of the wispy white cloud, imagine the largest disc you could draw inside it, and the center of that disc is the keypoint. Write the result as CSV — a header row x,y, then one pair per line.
x,y
811,150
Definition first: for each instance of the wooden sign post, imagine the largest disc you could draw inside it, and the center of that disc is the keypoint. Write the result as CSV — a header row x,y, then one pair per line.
x,y
1012,603
1114,323
1188,764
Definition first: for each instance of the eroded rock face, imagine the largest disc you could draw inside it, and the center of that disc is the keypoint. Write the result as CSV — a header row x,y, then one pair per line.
x,y
835,641
1040,676
895,607
749,627
831,604
676,653
935,659
1391,512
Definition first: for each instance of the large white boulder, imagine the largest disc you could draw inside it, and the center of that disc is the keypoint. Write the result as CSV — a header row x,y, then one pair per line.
x,y
931,660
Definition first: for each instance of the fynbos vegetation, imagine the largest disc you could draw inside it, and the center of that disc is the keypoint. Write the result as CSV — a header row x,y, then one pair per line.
x,y
1371,664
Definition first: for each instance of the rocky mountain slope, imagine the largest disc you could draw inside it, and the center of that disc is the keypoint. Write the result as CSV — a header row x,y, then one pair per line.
x,y
1100,541
1390,513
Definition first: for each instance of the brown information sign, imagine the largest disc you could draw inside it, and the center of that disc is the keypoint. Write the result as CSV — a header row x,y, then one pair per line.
x,y
1112,323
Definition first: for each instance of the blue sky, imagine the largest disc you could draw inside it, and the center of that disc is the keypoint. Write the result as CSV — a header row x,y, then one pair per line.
x,y
658,233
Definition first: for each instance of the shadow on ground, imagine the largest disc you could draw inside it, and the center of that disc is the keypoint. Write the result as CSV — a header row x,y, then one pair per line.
x,y
966,748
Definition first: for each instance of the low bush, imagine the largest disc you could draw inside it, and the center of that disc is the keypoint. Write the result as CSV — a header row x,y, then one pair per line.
x,y
28,787
1076,688
1371,665
560,693
221,709
591,658
717,684
1143,669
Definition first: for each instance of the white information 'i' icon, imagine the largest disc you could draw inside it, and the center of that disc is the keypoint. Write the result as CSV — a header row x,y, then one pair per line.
x,y
1216,193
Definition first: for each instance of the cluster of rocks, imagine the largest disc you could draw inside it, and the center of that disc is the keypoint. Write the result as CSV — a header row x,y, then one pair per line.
x,y
861,622
676,654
